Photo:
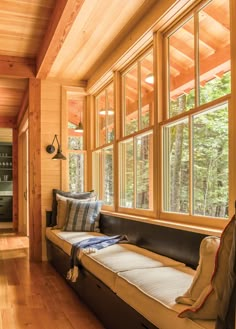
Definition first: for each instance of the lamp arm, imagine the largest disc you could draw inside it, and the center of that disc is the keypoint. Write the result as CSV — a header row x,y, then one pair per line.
x,y
55,137
58,144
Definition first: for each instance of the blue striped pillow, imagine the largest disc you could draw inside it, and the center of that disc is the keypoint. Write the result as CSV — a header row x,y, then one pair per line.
x,y
83,216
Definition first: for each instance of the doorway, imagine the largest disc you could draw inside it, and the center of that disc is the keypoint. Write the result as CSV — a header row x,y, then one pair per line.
x,y
6,178
23,173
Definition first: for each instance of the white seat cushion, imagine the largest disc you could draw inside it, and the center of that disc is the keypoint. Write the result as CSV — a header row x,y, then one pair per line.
x,y
152,293
64,240
107,262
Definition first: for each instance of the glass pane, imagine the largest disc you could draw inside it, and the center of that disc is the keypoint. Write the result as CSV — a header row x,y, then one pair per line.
x,y
75,142
110,114
96,163
76,172
130,87
176,167
126,174
101,119
210,159
147,91
181,69
214,50
76,107
108,176
144,172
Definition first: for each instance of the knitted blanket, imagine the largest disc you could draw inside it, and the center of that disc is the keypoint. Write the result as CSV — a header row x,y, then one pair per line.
x,y
89,245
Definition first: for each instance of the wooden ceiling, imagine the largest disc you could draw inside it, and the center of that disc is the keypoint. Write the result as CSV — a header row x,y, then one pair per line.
x,y
68,39
60,39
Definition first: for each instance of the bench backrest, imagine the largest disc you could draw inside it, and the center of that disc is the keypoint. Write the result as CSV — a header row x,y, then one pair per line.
x,y
174,243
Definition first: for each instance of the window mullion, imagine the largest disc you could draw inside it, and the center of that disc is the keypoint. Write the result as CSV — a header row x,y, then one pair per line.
x,y
196,53
135,170
191,184
139,96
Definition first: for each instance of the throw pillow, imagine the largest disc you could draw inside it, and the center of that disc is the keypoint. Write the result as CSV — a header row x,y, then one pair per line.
x,y
61,210
80,195
207,305
83,216
202,278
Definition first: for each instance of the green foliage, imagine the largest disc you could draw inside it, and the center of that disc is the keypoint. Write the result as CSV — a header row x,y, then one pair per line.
x,y
210,154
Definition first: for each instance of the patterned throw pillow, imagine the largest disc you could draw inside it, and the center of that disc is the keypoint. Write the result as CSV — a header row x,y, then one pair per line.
x,y
83,216
79,195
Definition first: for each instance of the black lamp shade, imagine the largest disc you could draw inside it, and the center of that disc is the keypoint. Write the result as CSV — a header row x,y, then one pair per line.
x,y
79,127
51,149
59,156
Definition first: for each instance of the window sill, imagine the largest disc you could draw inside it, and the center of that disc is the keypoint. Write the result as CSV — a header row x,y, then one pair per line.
x,y
168,223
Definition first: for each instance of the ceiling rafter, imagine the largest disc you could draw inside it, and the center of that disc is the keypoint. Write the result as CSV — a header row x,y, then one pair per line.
x,y
64,14
17,67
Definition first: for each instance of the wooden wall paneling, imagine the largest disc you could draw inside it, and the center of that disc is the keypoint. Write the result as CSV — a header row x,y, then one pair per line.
x,y
64,137
35,214
15,178
50,169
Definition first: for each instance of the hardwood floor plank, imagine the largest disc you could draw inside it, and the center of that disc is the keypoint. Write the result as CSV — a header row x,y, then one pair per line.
x,y
34,295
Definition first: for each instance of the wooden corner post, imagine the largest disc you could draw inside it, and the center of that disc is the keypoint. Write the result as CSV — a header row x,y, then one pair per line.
x,y
35,218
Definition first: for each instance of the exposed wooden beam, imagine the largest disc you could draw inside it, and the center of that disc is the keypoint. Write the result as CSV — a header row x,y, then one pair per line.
x,y
214,63
7,122
63,17
23,108
17,67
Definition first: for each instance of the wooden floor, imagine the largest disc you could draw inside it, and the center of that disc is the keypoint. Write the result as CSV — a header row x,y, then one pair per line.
x,y
33,295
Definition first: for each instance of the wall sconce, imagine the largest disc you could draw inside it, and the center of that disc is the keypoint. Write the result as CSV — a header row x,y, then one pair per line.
x,y
79,128
50,149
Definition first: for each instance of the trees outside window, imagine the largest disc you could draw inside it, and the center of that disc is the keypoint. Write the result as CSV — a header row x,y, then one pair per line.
x,y
103,180
138,95
180,148
75,146
136,148
136,172
195,132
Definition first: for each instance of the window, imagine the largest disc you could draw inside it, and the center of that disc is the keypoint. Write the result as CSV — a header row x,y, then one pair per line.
x,y
195,132
136,172
103,181
136,151
105,117
76,153
137,100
